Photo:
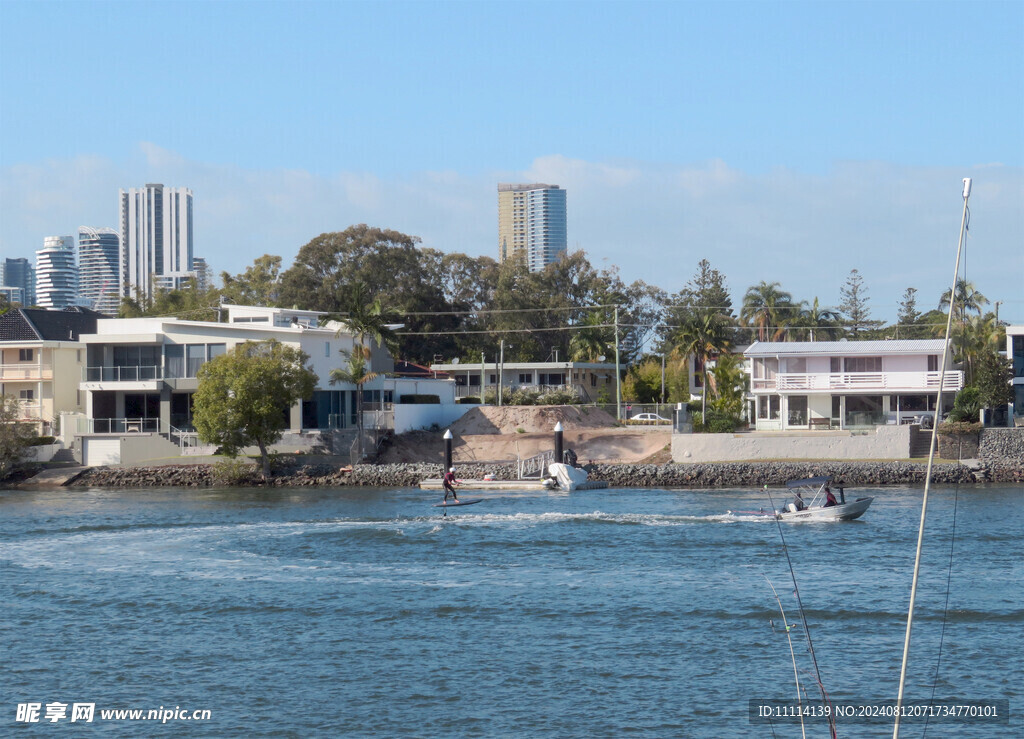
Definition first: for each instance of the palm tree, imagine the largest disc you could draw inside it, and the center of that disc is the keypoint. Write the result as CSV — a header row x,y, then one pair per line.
x,y
815,319
365,318
590,340
356,374
768,308
967,299
702,336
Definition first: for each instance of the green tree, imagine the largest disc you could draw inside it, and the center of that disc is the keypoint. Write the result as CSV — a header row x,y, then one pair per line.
x,y
356,372
14,435
968,300
769,309
702,337
993,376
405,279
643,382
815,323
706,292
245,395
855,305
260,284
730,385
365,317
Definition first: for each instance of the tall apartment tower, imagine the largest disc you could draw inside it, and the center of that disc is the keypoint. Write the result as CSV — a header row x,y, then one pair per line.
x,y
531,224
21,274
56,274
156,237
99,272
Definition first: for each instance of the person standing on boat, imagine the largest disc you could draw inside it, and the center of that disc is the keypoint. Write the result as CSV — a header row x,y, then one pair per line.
x,y
830,499
449,482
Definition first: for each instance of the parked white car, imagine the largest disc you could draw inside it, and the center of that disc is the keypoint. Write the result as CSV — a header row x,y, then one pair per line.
x,y
648,418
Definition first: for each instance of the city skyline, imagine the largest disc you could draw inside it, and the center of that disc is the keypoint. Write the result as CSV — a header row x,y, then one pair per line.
x,y
788,142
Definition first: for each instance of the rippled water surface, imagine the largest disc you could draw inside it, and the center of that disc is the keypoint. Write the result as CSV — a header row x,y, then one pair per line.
x,y
364,612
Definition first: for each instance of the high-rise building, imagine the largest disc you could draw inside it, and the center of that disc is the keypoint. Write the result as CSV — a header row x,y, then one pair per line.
x,y
20,273
531,224
99,272
156,237
56,274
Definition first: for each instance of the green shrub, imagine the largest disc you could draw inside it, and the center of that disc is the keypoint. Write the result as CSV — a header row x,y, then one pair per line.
x,y
966,405
228,472
955,428
42,440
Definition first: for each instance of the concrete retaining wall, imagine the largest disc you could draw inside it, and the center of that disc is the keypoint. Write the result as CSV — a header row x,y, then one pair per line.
x,y
886,442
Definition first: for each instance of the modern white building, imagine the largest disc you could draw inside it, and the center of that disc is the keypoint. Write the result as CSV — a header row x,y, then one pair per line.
x,y
848,384
531,224
156,236
56,273
99,274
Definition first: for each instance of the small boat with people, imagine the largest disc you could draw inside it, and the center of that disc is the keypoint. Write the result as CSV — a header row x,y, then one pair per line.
x,y
814,500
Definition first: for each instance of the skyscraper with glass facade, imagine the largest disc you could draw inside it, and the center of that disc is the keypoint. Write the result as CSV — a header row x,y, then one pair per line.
x,y
156,237
21,274
99,273
531,224
56,273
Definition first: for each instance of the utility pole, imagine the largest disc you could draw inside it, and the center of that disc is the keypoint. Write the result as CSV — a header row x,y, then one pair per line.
x,y
663,378
483,387
618,372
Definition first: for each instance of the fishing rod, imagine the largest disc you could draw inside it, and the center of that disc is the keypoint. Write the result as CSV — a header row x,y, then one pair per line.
x,y
792,654
803,618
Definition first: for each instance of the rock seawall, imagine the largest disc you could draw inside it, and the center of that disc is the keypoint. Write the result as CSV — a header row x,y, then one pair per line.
x,y
734,474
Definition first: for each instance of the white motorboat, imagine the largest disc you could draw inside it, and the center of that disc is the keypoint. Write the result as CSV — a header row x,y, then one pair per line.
x,y
814,500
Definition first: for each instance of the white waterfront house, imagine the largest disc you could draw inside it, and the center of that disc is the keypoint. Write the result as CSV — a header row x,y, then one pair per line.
x,y
140,375
848,384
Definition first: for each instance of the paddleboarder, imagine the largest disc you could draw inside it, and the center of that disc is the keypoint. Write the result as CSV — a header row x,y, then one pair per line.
x,y
449,482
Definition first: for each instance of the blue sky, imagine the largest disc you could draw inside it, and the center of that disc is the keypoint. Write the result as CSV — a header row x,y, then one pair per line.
x,y
783,141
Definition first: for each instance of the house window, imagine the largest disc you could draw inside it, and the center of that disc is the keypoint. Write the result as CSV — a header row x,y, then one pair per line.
x,y
798,410
327,349
174,361
525,378
834,365
593,380
1018,358
862,364
768,407
26,355
933,362
195,355
27,394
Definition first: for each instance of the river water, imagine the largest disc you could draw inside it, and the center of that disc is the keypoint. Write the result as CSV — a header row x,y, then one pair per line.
x,y
364,612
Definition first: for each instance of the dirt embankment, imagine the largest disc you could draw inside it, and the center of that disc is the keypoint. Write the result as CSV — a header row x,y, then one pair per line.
x,y
492,434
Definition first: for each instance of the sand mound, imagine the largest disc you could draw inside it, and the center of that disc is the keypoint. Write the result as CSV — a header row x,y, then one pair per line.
x,y
531,419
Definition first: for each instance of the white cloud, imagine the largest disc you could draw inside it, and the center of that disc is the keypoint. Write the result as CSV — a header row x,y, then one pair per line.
x,y
897,225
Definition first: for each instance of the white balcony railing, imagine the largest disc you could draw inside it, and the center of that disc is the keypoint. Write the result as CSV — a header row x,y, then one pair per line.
x,y
15,372
808,382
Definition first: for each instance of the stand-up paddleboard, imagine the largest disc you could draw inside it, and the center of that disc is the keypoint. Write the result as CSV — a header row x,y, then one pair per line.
x,y
458,502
